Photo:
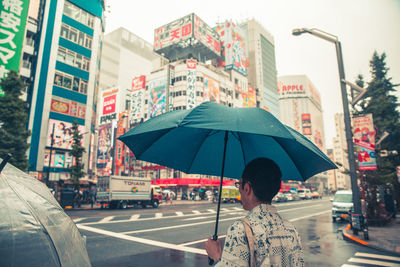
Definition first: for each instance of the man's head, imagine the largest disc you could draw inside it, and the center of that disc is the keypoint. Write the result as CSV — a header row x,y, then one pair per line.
x,y
263,177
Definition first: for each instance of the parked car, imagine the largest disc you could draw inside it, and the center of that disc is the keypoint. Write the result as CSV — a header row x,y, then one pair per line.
x,y
315,194
289,196
342,204
304,193
280,197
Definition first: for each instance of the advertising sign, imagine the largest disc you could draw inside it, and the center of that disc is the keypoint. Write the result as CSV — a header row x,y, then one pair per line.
x,y
109,104
252,97
191,83
306,123
171,87
57,159
137,99
63,137
398,173
68,107
211,90
234,45
178,30
12,32
290,90
207,35
364,141
104,146
157,94
119,151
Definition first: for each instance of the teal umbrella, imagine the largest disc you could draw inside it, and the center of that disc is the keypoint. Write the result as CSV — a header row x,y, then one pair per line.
x,y
217,140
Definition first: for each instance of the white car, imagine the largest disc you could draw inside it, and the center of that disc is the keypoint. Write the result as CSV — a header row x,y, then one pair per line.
x,y
304,193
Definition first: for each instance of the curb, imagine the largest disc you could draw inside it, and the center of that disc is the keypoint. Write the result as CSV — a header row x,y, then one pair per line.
x,y
351,238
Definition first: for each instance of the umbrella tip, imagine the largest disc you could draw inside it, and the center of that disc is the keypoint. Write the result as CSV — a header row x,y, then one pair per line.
x,y
4,162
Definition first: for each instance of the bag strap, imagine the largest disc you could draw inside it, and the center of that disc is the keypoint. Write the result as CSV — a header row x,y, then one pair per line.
x,y
250,239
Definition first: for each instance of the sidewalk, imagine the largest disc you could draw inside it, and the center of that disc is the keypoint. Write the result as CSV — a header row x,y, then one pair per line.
x,y
385,238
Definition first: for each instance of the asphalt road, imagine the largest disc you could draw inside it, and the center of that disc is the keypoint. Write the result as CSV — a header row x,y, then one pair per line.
x,y
174,235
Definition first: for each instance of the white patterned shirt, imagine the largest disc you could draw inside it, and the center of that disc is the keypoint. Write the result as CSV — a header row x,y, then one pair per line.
x,y
276,241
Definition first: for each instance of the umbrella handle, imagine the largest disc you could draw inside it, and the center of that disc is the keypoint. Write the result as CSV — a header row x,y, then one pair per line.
x,y
211,261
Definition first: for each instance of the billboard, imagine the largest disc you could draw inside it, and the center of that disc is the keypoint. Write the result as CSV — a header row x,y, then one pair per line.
x,y
157,95
364,141
137,99
68,107
178,30
306,123
191,83
63,134
206,35
234,47
108,108
12,32
211,90
104,146
252,97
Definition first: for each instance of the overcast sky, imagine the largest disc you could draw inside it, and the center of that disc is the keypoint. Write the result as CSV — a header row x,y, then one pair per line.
x,y
362,26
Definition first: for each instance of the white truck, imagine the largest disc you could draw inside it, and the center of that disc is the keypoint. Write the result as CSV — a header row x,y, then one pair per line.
x,y
121,191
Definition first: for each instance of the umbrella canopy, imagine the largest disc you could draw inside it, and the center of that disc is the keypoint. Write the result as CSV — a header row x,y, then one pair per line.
x,y
34,229
192,141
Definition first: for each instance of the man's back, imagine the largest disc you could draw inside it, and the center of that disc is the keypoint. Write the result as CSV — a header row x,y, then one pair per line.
x,y
276,241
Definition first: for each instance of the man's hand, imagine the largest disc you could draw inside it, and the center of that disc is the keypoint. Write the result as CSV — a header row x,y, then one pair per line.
x,y
214,249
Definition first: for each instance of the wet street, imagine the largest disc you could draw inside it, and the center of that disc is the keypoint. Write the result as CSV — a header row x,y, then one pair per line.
x,y
174,235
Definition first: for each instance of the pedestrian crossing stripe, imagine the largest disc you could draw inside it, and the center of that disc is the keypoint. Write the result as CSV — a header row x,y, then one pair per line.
x,y
179,213
373,259
106,219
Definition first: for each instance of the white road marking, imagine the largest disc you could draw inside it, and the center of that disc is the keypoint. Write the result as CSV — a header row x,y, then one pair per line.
x,y
158,215
349,265
377,256
143,241
106,219
197,218
237,208
179,213
225,209
199,241
311,215
212,211
304,207
134,217
373,262
77,220
196,211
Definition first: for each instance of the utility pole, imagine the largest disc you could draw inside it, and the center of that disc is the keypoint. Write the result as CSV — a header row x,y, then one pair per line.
x,y
50,154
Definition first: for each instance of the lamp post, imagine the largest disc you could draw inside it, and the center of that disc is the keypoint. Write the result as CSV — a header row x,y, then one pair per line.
x,y
347,120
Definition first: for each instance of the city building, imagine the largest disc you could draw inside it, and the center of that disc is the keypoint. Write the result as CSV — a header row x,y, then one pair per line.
x,y
65,84
340,154
332,187
262,73
300,108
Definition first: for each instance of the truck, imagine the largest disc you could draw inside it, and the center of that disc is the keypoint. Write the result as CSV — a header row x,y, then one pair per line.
x,y
230,194
121,191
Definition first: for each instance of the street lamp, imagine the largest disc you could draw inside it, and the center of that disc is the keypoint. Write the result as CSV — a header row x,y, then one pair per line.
x,y
347,121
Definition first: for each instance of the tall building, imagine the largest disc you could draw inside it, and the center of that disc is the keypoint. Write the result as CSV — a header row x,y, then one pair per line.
x,y
300,108
262,73
340,154
332,187
65,83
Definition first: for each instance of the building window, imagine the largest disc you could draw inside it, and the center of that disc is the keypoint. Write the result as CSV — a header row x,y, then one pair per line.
x,y
69,82
78,14
76,36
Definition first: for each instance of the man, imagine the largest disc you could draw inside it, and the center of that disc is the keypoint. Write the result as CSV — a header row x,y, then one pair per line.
x,y
276,241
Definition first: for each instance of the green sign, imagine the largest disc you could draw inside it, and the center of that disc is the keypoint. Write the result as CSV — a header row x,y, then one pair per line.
x,y
13,16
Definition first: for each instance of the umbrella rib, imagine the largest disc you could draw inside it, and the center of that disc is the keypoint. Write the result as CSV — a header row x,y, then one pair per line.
x,y
289,156
198,148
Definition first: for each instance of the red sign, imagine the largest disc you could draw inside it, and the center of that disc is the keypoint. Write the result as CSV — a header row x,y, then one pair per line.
x,y
191,64
109,104
139,83
59,106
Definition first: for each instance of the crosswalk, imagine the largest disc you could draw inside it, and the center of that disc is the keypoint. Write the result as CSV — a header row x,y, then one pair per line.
x,y
371,259
158,215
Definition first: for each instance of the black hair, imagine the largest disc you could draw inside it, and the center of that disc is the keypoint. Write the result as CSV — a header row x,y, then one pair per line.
x,y
264,177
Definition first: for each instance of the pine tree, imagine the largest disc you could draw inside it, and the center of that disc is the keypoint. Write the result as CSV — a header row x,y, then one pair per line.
x,y
13,121
77,152
381,102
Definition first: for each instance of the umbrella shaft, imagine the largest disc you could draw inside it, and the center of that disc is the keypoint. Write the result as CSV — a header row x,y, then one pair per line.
x,y
215,236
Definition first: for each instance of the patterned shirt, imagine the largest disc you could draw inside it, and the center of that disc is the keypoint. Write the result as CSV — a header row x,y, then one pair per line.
x,y
276,241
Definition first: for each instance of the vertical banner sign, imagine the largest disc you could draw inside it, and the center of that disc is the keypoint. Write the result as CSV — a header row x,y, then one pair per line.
x,y
13,16
171,86
137,99
364,141
306,123
104,146
119,151
157,91
398,173
191,83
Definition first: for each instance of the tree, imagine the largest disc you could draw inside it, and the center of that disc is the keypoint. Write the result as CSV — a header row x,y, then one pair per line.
x,y
381,102
77,152
13,121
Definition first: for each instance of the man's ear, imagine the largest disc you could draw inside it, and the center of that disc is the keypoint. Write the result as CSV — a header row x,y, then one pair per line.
x,y
247,188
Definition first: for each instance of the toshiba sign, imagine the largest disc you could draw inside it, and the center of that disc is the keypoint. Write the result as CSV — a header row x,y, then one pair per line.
x,y
109,104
